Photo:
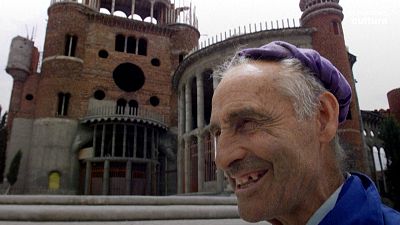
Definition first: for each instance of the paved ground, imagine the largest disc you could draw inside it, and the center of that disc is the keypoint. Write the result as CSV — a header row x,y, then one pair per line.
x,y
158,222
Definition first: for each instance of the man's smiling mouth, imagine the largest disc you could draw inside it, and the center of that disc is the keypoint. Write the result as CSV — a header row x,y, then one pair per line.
x,y
247,180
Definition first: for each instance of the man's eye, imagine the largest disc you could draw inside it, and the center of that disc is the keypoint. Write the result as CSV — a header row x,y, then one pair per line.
x,y
246,125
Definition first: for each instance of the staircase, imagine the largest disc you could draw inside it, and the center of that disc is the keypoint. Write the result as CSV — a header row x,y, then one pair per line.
x,y
121,210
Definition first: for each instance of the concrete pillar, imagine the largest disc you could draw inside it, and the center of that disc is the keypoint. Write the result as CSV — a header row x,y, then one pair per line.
x,y
181,141
187,164
124,141
200,125
145,143
133,8
103,136
188,128
128,177
149,178
188,106
135,142
112,7
152,10
200,163
94,139
88,177
220,181
113,140
106,177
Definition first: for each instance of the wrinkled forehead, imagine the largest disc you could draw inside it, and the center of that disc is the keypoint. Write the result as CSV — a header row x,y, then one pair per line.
x,y
252,70
252,78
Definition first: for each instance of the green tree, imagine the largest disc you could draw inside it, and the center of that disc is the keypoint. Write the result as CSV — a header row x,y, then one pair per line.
x,y
13,171
390,134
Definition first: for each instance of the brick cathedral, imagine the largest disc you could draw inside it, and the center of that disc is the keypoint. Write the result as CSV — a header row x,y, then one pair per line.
x,y
121,105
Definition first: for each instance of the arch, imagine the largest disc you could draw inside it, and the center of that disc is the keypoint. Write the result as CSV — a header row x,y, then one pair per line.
x,y
131,45
105,11
54,180
372,133
133,107
182,56
193,86
136,17
121,104
208,90
120,14
71,41
120,43
63,103
148,19
142,48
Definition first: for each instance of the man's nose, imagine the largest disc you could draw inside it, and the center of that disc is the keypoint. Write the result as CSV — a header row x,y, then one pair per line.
x,y
228,149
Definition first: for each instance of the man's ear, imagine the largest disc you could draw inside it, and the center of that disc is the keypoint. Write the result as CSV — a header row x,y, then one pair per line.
x,y
328,116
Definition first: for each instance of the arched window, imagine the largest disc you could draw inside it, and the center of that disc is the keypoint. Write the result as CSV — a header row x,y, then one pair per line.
x,y
131,45
70,45
121,104
142,46
120,43
133,107
63,103
54,180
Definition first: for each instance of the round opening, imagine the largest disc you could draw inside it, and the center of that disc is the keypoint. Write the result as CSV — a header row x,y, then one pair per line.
x,y
128,77
103,54
154,101
29,97
99,95
155,62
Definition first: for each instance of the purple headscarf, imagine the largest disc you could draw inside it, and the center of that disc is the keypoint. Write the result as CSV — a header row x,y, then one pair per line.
x,y
323,69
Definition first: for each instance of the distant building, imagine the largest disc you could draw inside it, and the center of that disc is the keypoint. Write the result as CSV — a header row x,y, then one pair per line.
x,y
122,106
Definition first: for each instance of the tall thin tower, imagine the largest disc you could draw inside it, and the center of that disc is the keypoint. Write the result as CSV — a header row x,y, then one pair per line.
x,y
326,17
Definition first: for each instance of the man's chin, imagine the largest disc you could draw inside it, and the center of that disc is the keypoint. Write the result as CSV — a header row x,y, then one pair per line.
x,y
251,215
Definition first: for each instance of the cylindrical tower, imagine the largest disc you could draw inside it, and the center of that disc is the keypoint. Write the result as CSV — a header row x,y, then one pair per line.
x,y
328,39
394,105
19,67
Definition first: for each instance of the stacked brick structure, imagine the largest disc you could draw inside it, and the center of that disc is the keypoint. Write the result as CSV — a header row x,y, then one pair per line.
x,y
103,117
101,112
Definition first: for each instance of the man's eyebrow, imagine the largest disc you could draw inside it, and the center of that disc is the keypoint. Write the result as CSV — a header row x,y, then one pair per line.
x,y
246,113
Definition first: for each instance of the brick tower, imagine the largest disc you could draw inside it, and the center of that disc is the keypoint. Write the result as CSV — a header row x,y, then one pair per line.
x,y
103,114
326,17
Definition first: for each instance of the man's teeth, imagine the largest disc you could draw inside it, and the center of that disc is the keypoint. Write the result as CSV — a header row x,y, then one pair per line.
x,y
249,178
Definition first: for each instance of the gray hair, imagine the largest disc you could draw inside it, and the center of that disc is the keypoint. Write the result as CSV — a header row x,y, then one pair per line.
x,y
299,84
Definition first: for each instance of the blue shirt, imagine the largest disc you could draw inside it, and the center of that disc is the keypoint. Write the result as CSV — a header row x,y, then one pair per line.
x,y
359,203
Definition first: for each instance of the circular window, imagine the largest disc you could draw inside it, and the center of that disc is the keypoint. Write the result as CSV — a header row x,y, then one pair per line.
x,y
155,62
128,77
99,95
154,101
103,54
29,97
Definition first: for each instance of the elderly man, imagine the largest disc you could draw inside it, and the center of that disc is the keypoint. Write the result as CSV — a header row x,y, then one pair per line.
x,y
275,115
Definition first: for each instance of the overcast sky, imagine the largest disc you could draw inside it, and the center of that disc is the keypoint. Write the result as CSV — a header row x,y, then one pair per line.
x,y
371,28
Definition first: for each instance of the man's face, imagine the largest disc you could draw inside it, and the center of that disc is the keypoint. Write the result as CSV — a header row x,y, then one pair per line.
x,y
269,157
